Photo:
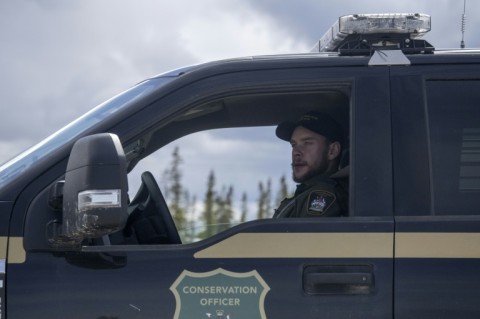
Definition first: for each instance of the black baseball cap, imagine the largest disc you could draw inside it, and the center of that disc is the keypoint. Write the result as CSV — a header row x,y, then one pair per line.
x,y
317,122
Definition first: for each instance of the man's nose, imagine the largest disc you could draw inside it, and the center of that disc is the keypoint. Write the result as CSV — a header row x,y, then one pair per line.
x,y
296,150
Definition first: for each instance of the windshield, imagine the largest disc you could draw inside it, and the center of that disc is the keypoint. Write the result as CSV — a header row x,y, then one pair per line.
x,y
39,151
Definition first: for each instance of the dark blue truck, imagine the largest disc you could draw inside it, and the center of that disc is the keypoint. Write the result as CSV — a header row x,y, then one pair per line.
x,y
74,245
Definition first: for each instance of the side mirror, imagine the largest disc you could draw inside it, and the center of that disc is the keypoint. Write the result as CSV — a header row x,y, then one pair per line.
x,y
95,190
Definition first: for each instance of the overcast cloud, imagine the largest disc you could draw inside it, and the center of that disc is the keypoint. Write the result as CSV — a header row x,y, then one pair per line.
x,y
61,58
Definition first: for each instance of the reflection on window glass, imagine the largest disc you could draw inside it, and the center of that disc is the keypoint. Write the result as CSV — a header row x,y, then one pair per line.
x,y
454,130
470,160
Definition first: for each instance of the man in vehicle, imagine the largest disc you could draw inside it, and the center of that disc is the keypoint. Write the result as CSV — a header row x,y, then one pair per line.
x,y
317,141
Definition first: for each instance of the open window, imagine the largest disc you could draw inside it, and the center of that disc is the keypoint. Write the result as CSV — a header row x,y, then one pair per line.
x,y
219,163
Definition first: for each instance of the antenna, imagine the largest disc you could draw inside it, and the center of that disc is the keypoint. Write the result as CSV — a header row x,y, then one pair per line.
x,y
464,22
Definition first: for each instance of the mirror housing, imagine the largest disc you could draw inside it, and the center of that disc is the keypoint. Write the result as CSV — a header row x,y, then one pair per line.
x,y
95,190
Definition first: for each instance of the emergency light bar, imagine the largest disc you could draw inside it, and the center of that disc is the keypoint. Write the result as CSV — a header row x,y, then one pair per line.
x,y
370,31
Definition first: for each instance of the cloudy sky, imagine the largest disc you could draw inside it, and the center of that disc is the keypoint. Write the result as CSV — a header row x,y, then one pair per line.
x,y
61,58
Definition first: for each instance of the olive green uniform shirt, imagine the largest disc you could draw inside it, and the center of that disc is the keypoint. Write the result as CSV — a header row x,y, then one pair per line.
x,y
319,196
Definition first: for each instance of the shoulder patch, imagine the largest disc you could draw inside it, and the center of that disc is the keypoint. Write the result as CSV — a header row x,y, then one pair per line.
x,y
319,202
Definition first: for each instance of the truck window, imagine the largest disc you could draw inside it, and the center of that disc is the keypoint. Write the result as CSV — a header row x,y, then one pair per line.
x,y
214,179
454,133
210,186
437,148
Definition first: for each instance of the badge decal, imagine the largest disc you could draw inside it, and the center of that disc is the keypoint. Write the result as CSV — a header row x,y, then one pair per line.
x,y
319,202
219,294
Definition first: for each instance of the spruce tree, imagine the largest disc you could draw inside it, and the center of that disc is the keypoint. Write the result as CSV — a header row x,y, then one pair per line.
x,y
244,208
208,214
264,200
174,192
268,200
282,191
224,211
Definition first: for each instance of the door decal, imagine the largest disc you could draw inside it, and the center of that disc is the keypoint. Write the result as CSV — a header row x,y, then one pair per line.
x,y
219,294
302,245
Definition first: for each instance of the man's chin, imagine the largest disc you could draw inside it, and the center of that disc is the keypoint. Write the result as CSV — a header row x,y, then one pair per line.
x,y
299,178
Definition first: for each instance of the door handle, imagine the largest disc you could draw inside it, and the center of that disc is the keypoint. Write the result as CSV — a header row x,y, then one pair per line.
x,y
338,279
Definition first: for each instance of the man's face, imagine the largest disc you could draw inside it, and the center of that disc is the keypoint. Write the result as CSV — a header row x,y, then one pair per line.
x,y
310,154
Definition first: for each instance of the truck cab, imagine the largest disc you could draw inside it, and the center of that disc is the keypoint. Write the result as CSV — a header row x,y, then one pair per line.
x,y
79,239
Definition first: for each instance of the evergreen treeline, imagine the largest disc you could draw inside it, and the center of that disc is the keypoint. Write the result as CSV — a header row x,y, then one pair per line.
x,y
216,211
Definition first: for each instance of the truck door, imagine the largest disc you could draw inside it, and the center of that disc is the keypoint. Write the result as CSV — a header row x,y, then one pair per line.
x,y
269,268
436,134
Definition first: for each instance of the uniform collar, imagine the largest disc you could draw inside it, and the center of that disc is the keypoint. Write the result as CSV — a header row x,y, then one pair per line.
x,y
312,181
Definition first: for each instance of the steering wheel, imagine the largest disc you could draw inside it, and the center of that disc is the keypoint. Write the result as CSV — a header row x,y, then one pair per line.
x,y
150,216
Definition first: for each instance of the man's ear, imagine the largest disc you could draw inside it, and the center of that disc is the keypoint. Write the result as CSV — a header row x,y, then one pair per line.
x,y
334,150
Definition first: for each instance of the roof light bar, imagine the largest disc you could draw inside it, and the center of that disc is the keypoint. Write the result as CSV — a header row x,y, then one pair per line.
x,y
406,25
